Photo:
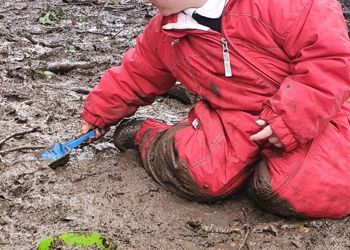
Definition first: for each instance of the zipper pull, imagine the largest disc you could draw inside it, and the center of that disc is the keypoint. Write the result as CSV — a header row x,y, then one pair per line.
x,y
226,56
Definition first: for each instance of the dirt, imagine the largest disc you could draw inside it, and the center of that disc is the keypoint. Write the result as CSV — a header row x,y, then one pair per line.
x,y
45,73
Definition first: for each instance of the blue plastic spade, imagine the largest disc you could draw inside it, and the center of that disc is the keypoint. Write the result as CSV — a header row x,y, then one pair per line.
x,y
58,154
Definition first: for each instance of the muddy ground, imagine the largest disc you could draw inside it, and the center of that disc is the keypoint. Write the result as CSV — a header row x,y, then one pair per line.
x,y
46,70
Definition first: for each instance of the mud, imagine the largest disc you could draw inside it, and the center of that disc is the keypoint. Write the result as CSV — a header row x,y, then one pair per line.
x,y
45,73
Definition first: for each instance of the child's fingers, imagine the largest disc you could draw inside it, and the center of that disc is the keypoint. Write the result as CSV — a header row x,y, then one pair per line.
x,y
263,134
279,145
101,132
261,123
86,127
274,140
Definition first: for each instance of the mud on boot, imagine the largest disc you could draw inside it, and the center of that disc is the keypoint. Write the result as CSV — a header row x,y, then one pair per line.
x,y
124,134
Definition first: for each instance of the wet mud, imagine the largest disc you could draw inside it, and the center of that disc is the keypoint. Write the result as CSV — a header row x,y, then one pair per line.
x,y
47,67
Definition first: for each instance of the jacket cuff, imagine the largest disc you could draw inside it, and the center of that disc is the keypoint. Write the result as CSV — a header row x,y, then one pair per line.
x,y
92,119
280,129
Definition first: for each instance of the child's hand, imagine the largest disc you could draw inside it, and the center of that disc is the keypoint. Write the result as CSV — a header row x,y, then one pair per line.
x,y
266,133
86,127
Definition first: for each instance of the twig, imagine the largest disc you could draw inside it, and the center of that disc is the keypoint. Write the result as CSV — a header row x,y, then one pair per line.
x,y
3,197
80,91
88,2
219,230
181,246
63,67
53,86
47,31
149,191
32,130
13,9
245,241
121,7
74,89
247,231
66,66
21,148
44,44
93,32
10,38
83,177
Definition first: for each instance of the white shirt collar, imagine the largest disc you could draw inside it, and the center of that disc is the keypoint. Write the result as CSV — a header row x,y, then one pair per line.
x,y
211,9
185,22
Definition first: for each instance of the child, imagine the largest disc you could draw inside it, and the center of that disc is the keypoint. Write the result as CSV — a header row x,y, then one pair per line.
x,y
273,78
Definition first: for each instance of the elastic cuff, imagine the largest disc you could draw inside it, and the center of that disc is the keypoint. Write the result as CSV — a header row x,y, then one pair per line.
x,y
92,119
279,128
283,133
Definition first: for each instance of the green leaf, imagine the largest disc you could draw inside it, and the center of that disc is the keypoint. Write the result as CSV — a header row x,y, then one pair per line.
x,y
51,17
80,19
111,2
77,239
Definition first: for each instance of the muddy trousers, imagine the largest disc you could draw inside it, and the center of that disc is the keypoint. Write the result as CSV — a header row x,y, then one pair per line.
x,y
306,182
161,161
197,159
312,180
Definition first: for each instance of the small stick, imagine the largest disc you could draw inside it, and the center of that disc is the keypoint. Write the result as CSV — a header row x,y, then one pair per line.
x,y
93,32
47,31
121,7
81,90
64,67
75,2
12,9
10,38
21,148
247,232
17,134
245,241
219,230
74,89
44,44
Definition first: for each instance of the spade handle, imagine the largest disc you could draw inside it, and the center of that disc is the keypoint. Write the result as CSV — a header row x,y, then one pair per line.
x,y
74,143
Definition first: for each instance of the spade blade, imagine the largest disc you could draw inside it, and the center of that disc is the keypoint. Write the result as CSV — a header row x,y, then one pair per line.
x,y
58,154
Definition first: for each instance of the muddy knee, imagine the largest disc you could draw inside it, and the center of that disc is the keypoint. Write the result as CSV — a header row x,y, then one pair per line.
x,y
260,190
162,162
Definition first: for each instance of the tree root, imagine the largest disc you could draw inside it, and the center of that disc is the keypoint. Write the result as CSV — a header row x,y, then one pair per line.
x,y
21,149
32,130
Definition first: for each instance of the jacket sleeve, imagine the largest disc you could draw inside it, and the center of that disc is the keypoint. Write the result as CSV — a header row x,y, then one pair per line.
x,y
136,82
306,101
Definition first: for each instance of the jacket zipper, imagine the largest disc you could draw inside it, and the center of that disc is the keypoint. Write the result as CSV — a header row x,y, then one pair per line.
x,y
226,57
227,63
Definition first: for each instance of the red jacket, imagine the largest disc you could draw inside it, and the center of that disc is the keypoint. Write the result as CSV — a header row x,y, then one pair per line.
x,y
289,62
309,60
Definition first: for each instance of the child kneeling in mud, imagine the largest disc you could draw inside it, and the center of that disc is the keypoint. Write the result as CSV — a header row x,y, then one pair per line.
x,y
273,81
